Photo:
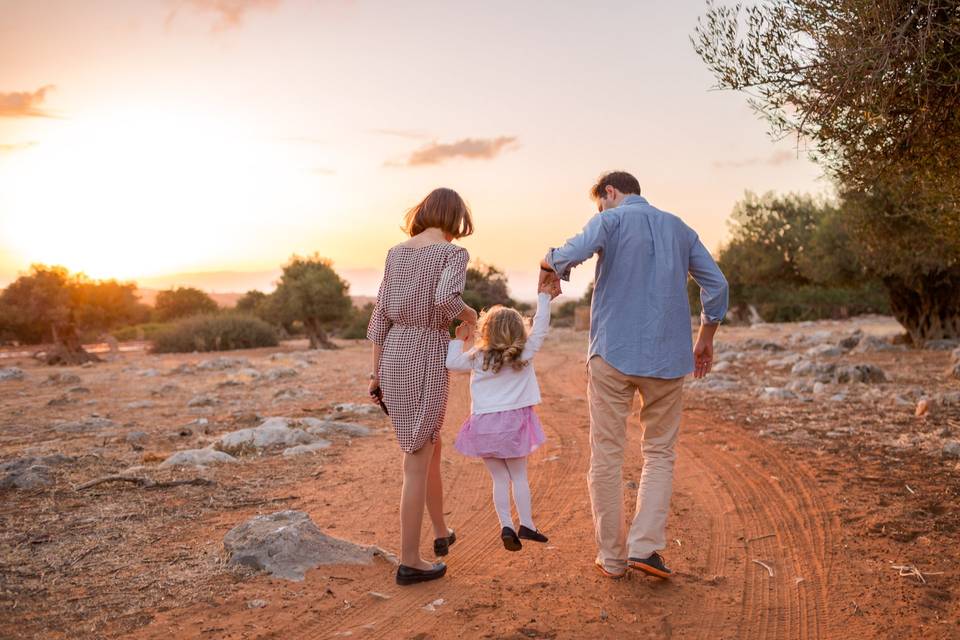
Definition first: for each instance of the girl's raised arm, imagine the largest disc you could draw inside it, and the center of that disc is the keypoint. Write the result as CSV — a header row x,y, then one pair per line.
x,y
541,327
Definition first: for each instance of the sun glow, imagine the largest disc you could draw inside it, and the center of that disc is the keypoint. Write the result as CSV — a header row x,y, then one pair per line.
x,y
140,192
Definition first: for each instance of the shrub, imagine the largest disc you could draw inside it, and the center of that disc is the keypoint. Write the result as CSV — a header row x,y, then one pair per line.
x,y
214,333
145,331
183,302
356,329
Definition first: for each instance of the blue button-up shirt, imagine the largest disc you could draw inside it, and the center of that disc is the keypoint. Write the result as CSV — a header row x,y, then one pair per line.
x,y
640,316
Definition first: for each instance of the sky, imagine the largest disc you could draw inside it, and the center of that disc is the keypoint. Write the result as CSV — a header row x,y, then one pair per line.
x,y
204,142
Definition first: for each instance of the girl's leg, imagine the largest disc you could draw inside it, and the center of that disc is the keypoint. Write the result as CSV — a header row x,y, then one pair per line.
x,y
412,499
521,490
435,494
501,489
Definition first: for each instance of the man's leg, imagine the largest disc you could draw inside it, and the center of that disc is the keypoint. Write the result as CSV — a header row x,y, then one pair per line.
x,y
660,417
610,396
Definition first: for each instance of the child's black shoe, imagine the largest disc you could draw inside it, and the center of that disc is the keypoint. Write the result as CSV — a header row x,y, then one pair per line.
x,y
510,540
530,534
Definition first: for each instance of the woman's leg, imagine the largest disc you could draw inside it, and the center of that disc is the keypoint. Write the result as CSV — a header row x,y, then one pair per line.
x,y
412,498
501,489
521,490
435,494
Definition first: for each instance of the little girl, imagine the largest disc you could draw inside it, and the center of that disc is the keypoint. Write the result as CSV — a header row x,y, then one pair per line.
x,y
503,428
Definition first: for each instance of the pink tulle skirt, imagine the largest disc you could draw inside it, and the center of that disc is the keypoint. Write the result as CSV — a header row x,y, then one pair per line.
x,y
504,434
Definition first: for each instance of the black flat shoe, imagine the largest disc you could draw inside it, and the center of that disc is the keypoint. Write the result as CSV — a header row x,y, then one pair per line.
x,y
510,540
441,546
408,575
531,534
652,565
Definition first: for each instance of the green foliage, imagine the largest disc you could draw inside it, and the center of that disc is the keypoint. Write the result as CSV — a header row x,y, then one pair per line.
x,y
356,328
46,297
183,302
221,332
143,331
486,286
311,292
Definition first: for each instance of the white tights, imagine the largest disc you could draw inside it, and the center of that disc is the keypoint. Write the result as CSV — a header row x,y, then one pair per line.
x,y
503,472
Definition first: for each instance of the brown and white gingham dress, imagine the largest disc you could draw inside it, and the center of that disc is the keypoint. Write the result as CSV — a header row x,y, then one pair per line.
x,y
419,296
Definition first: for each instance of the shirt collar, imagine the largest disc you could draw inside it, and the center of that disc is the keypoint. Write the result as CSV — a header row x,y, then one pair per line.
x,y
633,198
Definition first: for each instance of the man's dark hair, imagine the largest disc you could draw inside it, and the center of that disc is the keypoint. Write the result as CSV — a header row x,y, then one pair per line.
x,y
619,180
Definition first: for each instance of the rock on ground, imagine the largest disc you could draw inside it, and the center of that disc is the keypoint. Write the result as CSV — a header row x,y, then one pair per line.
x,y
866,373
29,472
273,432
281,372
301,449
11,373
287,544
62,378
322,427
776,393
90,423
203,400
197,458
222,363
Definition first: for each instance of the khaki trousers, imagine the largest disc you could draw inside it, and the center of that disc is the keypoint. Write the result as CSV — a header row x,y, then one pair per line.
x,y
611,395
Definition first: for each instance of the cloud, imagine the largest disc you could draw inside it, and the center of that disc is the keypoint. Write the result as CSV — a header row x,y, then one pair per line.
x,y
473,148
17,146
774,160
323,171
22,104
230,13
401,133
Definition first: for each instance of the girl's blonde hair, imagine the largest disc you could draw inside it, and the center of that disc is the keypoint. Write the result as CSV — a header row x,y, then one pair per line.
x,y
501,336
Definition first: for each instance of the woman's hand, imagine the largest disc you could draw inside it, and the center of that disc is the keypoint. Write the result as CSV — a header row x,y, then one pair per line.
x,y
374,385
468,315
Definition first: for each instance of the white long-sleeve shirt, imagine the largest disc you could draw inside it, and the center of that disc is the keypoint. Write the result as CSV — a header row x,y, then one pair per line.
x,y
508,388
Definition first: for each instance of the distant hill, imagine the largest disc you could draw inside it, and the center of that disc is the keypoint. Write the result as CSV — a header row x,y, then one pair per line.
x,y
229,300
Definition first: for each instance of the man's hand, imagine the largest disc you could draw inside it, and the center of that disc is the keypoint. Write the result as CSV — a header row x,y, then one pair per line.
x,y
549,282
702,357
464,331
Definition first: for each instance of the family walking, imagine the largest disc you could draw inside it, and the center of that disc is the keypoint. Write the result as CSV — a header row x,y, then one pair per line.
x,y
640,342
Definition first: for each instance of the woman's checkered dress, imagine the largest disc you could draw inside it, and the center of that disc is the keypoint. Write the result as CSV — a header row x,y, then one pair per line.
x,y
419,297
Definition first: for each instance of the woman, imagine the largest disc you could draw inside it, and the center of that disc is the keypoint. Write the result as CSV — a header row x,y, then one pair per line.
x,y
419,297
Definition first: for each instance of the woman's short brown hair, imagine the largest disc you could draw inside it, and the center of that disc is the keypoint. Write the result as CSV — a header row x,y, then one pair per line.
x,y
442,208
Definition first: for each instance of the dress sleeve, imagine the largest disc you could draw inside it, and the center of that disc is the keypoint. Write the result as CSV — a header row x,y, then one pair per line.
x,y
449,295
380,324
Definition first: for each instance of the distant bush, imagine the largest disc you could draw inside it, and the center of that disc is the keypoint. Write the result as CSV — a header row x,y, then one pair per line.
x,y
182,302
146,331
356,329
215,333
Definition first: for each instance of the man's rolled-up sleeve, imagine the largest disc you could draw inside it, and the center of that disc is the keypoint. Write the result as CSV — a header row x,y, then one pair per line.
x,y
579,248
714,291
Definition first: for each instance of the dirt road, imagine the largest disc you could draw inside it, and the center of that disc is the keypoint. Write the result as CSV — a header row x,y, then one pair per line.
x,y
756,544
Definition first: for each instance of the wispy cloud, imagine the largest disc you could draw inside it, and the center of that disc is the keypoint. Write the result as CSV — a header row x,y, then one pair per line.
x,y
401,133
17,146
22,104
776,159
229,13
473,148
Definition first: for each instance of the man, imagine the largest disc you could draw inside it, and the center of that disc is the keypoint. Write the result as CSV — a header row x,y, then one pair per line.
x,y
640,341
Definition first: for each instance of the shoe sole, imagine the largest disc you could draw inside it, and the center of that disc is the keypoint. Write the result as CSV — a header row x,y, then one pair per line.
x,y
607,574
533,539
511,544
639,566
406,581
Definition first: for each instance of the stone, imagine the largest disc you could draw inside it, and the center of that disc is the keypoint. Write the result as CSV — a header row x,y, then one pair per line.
x,y
776,393
184,369
949,399
281,372
203,400
940,345
272,433
250,372
716,383
354,407
819,337
301,449
720,367
59,401
954,371
90,423
785,361
78,390
137,439
165,390
804,368
257,604
840,397
149,373
30,472
873,343
230,382
291,394
955,355
62,378
923,408
197,458
951,449
866,373
336,427
824,351
819,388
140,404
287,544
851,341
11,373
222,363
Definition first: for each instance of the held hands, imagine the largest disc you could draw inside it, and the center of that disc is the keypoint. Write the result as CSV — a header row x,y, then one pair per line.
x,y
549,283
464,331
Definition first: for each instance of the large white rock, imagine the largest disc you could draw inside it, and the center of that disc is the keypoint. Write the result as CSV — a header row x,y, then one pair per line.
x,y
322,427
301,449
273,432
197,458
287,544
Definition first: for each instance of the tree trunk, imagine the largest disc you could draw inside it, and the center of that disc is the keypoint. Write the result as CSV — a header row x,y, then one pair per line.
x,y
66,346
318,337
928,306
